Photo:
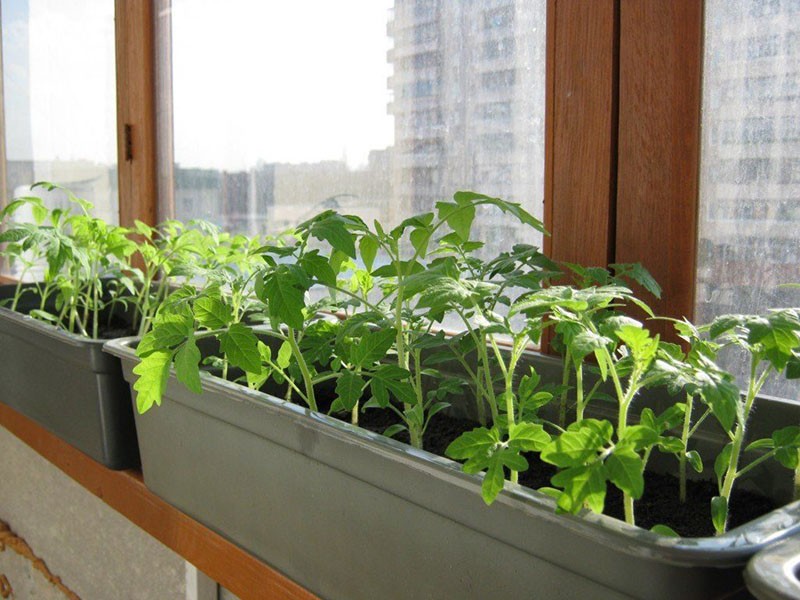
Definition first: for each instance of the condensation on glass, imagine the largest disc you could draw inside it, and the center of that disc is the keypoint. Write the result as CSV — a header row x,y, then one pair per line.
x,y
749,242
273,111
59,100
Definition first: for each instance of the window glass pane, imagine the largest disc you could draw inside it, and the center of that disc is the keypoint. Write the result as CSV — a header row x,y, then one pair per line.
x,y
59,93
750,182
372,107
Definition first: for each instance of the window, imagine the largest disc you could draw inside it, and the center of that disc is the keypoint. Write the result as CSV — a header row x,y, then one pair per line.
x,y
499,18
282,114
749,182
496,80
60,99
494,49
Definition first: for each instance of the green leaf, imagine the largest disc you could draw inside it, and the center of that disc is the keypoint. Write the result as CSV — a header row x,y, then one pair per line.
x,y
333,229
625,469
787,442
240,345
395,380
528,437
319,268
419,240
493,482
458,216
586,342
349,388
212,312
640,437
393,430
477,442
284,358
187,369
372,347
284,290
639,274
369,250
581,485
575,447
664,530
695,460
153,372
719,513
723,398
723,324
722,461
170,330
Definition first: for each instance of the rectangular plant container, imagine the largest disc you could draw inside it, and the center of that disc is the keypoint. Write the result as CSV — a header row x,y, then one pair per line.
x,y
67,384
350,514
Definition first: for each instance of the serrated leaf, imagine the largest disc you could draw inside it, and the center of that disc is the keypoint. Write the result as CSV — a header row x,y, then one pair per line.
x,y
528,437
187,365
369,250
625,469
472,443
581,485
284,291
640,436
372,347
493,482
284,358
240,345
349,387
212,312
576,447
419,240
153,373
333,229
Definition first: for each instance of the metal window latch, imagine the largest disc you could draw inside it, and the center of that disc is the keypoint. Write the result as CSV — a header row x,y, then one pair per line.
x,y
128,142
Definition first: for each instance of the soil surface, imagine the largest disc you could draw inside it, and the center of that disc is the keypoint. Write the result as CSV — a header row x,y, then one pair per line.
x,y
660,504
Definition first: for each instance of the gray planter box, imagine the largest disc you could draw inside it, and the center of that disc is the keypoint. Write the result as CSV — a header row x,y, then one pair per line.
x,y
68,385
349,514
772,574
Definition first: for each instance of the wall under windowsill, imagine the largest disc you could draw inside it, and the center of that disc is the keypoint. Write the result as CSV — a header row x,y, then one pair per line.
x,y
105,535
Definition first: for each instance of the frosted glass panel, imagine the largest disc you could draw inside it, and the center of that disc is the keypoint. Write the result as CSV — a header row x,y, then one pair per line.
x,y
750,183
59,91
379,108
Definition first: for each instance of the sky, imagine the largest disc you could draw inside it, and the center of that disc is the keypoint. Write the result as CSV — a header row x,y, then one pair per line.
x,y
253,80
277,81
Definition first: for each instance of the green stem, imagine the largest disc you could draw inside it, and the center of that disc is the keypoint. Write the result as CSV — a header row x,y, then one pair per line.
x,y
565,376
753,387
687,421
301,363
579,405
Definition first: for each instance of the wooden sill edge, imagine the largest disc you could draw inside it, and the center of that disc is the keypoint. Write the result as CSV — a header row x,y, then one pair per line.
x,y
124,491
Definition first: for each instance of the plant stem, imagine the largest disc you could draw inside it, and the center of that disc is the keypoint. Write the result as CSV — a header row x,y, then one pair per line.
x,y
301,363
565,376
579,405
731,474
687,421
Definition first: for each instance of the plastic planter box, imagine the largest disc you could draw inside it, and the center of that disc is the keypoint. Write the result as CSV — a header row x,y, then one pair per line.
x,y
349,514
68,385
774,573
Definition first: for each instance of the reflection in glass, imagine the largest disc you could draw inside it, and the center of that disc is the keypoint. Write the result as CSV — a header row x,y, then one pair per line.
x,y
277,110
59,93
750,170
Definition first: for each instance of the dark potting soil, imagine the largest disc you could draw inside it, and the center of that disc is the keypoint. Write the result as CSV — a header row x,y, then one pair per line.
x,y
660,504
